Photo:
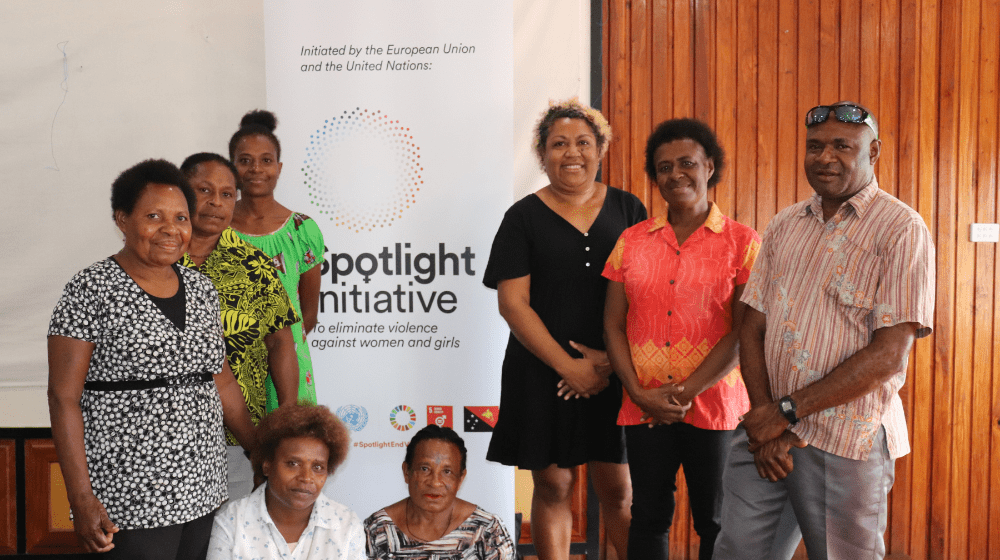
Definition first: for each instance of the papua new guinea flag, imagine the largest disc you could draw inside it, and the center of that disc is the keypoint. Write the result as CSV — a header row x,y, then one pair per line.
x,y
481,418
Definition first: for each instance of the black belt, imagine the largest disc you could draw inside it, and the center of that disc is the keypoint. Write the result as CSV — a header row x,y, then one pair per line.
x,y
140,384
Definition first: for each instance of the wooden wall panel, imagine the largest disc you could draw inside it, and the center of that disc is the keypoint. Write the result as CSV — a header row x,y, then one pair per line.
x,y
683,57
704,62
48,529
811,65
725,95
946,367
641,107
744,154
850,49
767,106
930,70
908,531
987,396
870,78
985,163
789,122
8,496
616,90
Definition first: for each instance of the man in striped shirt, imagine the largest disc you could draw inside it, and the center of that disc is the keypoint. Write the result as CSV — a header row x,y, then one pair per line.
x,y
842,287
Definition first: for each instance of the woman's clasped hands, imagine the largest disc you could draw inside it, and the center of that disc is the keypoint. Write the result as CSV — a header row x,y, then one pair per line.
x,y
584,376
665,404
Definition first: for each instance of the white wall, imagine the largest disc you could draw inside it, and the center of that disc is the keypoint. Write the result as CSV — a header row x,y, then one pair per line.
x,y
89,88
551,61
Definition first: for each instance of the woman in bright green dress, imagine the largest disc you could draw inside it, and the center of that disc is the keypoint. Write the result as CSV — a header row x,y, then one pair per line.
x,y
292,240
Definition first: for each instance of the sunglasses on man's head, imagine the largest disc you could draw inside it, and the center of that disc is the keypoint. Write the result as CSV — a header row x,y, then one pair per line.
x,y
843,113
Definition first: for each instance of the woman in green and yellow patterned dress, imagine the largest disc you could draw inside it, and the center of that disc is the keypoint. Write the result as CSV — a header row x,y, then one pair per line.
x,y
293,240
257,314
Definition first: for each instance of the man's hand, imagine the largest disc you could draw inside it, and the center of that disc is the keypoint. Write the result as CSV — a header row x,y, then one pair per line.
x,y
764,423
772,458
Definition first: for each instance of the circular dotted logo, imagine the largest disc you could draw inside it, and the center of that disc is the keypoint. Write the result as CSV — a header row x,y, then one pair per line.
x,y
402,418
362,169
353,416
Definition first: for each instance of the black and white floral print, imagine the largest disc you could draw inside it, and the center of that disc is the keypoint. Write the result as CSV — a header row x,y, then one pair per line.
x,y
482,536
156,456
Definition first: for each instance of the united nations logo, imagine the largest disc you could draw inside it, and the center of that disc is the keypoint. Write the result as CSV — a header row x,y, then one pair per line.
x,y
402,418
353,416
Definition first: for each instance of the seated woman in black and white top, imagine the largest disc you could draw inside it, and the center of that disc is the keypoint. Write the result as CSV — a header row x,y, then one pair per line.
x,y
432,522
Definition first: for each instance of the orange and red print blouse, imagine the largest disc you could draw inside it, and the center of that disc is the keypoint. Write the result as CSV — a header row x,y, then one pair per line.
x,y
680,305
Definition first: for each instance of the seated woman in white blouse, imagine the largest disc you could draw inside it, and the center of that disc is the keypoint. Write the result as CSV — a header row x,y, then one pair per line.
x,y
288,516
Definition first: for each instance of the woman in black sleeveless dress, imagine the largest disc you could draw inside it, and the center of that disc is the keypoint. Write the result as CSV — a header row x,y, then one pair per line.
x,y
559,398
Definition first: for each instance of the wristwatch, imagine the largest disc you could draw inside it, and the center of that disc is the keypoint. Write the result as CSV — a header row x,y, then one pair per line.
x,y
787,408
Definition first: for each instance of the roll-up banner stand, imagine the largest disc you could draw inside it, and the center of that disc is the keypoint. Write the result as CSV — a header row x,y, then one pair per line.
x,y
396,124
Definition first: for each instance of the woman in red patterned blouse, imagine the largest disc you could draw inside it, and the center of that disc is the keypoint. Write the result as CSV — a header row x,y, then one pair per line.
x,y
671,322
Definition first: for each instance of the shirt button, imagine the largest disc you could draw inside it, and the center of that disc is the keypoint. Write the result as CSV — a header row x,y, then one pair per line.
x,y
668,343
586,248
588,264
671,281
678,251
587,234
669,313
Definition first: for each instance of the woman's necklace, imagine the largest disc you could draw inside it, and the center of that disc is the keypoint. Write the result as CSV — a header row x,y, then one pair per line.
x,y
409,531
201,258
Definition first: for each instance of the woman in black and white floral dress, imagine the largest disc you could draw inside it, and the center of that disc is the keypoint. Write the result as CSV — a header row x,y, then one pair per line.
x,y
136,397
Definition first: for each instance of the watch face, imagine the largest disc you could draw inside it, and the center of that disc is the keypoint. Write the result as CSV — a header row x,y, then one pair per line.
x,y
787,407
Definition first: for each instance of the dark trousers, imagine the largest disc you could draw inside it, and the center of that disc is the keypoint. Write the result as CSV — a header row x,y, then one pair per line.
x,y
185,541
654,456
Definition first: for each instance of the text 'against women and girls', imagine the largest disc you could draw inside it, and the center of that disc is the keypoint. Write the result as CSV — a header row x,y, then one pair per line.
x,y
398,328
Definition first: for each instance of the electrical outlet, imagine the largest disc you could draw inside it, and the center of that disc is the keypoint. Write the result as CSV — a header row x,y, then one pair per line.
x,y
985,233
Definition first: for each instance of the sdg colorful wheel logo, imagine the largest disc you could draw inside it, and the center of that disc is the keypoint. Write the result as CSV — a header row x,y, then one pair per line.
x,y
402,418
362,169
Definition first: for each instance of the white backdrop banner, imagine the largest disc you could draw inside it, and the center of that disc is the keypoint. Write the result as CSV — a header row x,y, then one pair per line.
x,y
396,123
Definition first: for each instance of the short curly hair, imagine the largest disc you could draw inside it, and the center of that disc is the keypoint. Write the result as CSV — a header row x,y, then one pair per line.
x,y
435,432
300,420
692,129
571,109
132,182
